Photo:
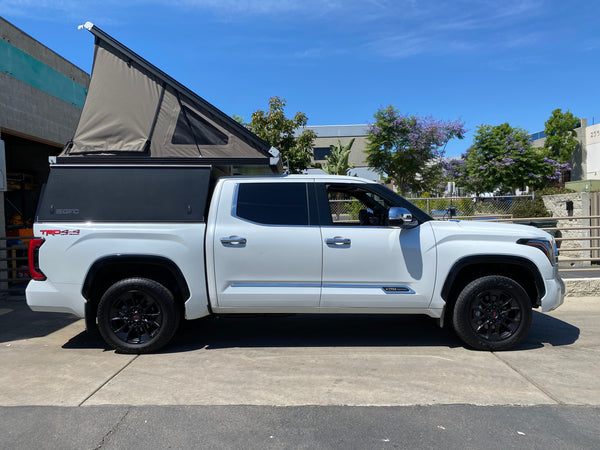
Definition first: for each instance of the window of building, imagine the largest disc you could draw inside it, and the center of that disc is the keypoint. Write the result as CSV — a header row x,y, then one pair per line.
x,y
321,152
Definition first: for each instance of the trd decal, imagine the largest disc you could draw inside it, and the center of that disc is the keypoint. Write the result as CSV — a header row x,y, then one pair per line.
x,y
59,232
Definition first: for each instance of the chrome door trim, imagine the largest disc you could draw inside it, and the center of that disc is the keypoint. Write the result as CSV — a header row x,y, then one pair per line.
x,y
308,285
388,289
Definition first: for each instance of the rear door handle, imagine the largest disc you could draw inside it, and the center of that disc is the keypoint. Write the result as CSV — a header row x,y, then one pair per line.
x,y
338,241
233,240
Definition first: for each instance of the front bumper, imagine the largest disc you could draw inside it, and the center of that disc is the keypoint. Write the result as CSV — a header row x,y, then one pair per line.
x,y
555,293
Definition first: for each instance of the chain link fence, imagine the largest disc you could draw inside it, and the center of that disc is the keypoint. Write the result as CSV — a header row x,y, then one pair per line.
x,y
466,207
345,210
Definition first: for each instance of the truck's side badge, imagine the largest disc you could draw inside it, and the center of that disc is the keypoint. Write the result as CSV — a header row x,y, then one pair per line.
x,y
60,232
398,290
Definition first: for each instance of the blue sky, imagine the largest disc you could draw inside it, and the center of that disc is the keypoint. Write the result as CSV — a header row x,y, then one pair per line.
x,y
486,61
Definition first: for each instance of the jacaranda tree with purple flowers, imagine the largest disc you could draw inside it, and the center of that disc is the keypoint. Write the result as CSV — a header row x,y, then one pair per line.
x,y
407,148
502,158
453,170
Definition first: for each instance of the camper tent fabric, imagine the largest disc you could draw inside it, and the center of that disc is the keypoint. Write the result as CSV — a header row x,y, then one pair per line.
x,y
134,109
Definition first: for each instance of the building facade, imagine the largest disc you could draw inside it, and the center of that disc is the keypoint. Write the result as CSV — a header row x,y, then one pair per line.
x,y
41,98
328,135
585,162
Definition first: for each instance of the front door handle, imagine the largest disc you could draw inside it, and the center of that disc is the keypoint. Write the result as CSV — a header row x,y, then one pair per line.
x,y
233,240
338,241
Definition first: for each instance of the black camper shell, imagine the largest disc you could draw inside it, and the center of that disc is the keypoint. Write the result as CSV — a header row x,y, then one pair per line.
x,y
125,193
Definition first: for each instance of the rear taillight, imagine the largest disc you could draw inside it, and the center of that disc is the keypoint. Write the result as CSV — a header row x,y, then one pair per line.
x,y
34,260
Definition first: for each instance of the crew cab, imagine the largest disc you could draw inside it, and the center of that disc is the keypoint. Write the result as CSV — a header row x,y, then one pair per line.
x,y
136,249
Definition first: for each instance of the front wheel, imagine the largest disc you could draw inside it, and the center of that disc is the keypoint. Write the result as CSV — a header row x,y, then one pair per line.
x,y
492,313
137,315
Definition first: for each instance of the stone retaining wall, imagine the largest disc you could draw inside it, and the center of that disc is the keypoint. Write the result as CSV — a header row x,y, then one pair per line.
x,y
557,204
582,287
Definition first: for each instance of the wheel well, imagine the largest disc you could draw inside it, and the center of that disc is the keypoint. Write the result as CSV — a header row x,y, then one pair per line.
x,y
107,271
520,270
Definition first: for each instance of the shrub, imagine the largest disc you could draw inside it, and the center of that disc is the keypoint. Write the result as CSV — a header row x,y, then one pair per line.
x,y
530,208
553,191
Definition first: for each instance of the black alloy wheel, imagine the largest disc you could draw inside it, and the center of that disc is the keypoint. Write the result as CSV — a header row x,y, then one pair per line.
x,y
492,313
137,315
495,315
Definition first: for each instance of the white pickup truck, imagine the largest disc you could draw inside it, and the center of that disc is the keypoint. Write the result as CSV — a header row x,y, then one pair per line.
x,y
135,249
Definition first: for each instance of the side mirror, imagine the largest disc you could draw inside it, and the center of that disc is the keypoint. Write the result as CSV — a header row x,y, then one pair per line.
x,y
401,217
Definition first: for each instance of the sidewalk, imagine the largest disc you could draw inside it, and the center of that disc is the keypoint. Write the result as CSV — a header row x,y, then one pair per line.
x,y
48,359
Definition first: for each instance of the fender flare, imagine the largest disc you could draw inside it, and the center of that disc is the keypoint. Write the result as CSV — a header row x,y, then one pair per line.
x,y
519,261
131,259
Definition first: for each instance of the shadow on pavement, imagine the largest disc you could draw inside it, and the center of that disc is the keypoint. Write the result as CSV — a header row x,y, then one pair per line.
x,y
546,329
312,330
86,340
18,322
331,330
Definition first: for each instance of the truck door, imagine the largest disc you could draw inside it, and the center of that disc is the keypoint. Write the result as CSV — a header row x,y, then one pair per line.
x,y
366,263
267,246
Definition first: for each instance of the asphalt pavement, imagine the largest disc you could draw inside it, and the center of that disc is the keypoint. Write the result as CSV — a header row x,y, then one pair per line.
x,y
314,381
299,427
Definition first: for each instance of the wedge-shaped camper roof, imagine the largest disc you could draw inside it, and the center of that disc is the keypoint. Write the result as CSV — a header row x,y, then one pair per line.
x,y
134,110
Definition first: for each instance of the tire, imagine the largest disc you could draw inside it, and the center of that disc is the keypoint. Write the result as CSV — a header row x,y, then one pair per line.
x,y
137,315
492,313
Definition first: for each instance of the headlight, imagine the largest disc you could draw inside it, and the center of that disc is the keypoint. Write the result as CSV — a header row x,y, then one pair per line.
x,y
548,247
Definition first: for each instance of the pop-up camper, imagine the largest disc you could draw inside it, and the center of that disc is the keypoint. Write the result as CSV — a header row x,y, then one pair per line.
x,y
135,113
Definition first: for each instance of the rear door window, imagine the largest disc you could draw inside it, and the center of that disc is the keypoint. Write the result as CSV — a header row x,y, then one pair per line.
x,y
273,203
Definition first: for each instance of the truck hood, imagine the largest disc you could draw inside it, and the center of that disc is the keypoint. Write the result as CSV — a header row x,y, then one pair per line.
x,y
474,229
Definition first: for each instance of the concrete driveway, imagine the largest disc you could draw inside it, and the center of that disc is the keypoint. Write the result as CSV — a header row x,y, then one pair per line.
x,y
48,359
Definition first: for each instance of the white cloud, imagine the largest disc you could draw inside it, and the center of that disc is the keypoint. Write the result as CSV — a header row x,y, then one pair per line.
x,y
457,27
389,28
264,7
308,8
70,11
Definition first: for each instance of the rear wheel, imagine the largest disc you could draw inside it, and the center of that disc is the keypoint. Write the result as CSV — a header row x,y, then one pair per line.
x,y
137,315
492,313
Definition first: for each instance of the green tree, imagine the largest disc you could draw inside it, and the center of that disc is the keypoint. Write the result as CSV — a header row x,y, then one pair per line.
x,y
238,119
337,161
408,148
560,135
279,131
503,158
